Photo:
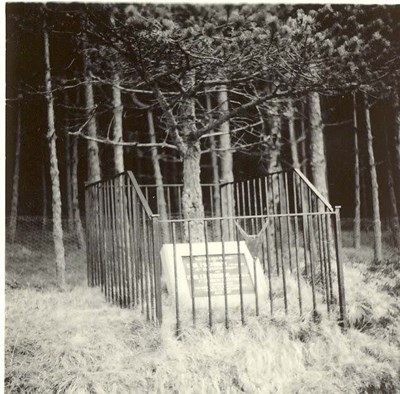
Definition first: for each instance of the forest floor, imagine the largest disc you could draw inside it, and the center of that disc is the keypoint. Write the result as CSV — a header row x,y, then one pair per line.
x,y
75,342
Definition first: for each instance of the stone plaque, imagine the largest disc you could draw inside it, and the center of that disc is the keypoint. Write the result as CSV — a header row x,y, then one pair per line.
x,y
216,270
192,268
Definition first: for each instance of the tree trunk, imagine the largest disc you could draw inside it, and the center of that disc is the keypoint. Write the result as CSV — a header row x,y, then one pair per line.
x,y
44,188
317,146
357,211
303,140
226,161
215,169
15,186
192,199
394,216
94,173
80,235
292,135
54,173
374,185
68,169
117,126
162,206
396,107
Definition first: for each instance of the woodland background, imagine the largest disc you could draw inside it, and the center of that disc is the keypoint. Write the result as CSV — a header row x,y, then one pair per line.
x,y
189,94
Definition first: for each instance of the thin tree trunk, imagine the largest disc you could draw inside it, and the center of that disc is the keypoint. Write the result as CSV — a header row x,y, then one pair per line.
x,y
303,140
117,126
292,135
226,161
80,235
15,187
272,163
374,185
68,168
162,206
54,172
394,216
317,146
318,164
94,172
192,199
357,211
363,187
138,160
44,188
215,168
396,107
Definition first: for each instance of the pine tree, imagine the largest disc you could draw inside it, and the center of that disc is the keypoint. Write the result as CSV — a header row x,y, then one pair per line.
x,y
54,172
15,184
374,184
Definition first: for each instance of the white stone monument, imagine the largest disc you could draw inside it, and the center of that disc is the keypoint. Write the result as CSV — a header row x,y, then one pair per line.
x,y
191,267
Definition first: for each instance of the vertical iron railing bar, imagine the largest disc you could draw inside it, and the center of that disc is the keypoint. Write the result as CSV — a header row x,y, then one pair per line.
x,y
121,222
102,240
89,238
328,233
210,193
97,226
112,242
224,275
191,273
240,277
286,189
296,241
305,229
180,190
256,212
157,270
142,263
244,212
117,240
274,224
325,253
129,254
255,257
210,317
312,263
339,268
321,253
150,266
168,190
137,255
178,325
109,243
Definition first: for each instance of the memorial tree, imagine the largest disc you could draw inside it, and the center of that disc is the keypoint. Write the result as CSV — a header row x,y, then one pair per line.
x,y
171,54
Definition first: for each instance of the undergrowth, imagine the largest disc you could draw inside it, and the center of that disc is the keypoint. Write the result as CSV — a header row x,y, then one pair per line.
x,y
74,342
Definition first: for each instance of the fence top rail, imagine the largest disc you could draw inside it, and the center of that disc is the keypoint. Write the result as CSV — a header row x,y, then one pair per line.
x,y
183,220
89,184
314,189
175,185
134,183
141,196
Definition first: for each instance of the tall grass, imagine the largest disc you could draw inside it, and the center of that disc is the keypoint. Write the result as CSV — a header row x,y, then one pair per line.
x,y
74,342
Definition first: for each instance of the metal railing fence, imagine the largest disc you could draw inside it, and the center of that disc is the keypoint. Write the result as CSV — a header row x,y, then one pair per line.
x,y
122,253
289,230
